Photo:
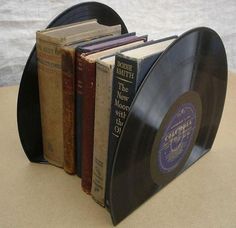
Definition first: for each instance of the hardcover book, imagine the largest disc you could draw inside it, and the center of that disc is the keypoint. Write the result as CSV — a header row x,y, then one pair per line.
x,y
48,45
104,77
131,66
95,46
68,80
87,73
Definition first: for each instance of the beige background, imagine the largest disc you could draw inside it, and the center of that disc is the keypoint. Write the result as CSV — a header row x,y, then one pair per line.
x,y
34,195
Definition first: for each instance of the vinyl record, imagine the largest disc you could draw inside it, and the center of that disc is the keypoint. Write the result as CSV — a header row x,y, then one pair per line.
x,y
173,119
28,110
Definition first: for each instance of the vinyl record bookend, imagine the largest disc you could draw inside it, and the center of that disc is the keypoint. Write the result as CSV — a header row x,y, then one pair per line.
x,y
196,62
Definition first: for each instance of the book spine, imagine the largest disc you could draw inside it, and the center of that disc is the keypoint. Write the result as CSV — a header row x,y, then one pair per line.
x,y
68,81
88,106
50,92
104,75
123,92
78,111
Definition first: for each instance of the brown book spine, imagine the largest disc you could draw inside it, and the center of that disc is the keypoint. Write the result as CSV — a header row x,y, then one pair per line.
x,y
88,109
68,83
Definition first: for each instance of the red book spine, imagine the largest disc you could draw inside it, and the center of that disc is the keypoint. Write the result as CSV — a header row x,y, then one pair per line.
x,y
88,110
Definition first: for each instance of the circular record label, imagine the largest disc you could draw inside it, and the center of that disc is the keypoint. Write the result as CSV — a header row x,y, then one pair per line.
x,y
176,137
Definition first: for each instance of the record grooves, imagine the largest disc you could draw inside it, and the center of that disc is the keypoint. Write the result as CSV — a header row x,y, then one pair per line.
x,y
173,119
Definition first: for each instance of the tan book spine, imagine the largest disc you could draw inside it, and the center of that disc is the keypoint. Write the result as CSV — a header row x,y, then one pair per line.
x,y
104,74
68,84
49,70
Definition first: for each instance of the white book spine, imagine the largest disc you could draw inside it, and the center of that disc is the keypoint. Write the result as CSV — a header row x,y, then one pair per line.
x,y
104,75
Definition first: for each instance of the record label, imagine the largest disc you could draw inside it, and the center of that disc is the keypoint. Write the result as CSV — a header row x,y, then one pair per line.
x,y
176,137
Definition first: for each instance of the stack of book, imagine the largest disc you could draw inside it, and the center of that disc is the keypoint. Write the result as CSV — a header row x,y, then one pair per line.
x,y
88,76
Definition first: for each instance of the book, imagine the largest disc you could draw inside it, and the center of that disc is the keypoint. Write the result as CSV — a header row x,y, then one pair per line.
x,y
48,47
68,90
104,77
130,68
87,73
103,92
93,47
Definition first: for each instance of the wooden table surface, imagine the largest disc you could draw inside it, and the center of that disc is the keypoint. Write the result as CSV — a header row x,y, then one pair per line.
x,y
34,195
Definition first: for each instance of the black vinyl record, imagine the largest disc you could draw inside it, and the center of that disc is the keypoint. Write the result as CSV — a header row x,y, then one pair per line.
x,y
173,119
28,109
